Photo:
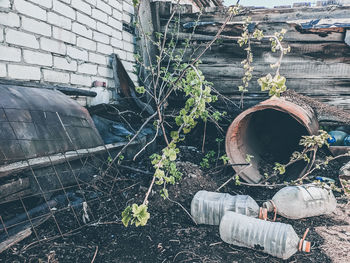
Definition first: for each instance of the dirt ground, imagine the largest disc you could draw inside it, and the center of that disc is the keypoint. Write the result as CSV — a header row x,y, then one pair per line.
x,y
171,235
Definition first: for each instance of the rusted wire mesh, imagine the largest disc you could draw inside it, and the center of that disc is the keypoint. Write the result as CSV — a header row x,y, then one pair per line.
x,y
62,195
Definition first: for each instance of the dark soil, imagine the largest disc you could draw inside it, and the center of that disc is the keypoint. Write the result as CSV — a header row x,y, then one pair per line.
x,y
171,235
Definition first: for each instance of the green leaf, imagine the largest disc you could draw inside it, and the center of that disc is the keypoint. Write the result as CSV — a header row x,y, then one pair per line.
x,y
126,216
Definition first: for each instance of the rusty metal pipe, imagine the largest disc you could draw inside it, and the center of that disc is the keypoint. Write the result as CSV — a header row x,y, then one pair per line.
x,y
269,131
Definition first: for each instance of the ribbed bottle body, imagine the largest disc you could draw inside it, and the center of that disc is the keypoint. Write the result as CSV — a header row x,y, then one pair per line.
x,y
297,202
276,239
209,207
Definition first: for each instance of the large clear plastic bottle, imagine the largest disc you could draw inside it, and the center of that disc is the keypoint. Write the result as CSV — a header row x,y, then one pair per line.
x,y
209,207
276,239
296,202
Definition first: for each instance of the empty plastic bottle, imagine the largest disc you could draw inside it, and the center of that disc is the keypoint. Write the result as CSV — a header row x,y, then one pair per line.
x,y
276,239
296,202
347,140
337,138
209,207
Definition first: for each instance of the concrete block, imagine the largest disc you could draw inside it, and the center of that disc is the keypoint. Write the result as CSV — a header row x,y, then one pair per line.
x,y
77,53
24,72
59,20
99,15
10,53
128,37
37,58
104,28
104,7
36,26
1,35
102,96
65,63
86,20
117,14
81,6
55,76
9,19
64,35
105,49
81,30
97,58
63,9
117,34
88,68
21,39
82,80
53,46
30,9
86,43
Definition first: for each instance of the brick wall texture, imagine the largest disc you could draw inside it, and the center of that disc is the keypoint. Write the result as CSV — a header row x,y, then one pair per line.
x,y
64,41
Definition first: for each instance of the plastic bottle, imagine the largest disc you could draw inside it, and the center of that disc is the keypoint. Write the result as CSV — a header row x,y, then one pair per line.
x,y
296,202
276,239
347,140
209,207
337,138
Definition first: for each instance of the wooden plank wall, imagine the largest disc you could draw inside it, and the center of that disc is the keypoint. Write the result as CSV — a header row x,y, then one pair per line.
x,y
318,64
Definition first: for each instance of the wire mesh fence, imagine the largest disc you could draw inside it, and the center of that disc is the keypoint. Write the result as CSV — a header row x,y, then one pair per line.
x,y
60,192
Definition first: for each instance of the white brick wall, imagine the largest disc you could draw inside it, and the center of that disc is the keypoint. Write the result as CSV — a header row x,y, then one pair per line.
x,y
64,41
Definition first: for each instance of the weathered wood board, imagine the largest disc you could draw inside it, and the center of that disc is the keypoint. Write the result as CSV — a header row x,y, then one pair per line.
x,y
318,65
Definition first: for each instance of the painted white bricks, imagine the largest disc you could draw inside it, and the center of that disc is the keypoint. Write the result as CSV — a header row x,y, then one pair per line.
x,y
105,72
104,28
86,20
63,9
52,45
10,54
81,6
117,43
128,7
81,30
128,46
87,68
59,20
64,41
9,19
55,76
24,72
80,80
3,71
43,3
97,58
99,15
37,58
5,3
35,26
99,37
65,63
77,53
105,49
86,43
21,39
104,7
115,23
30,9
116,4
64,35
